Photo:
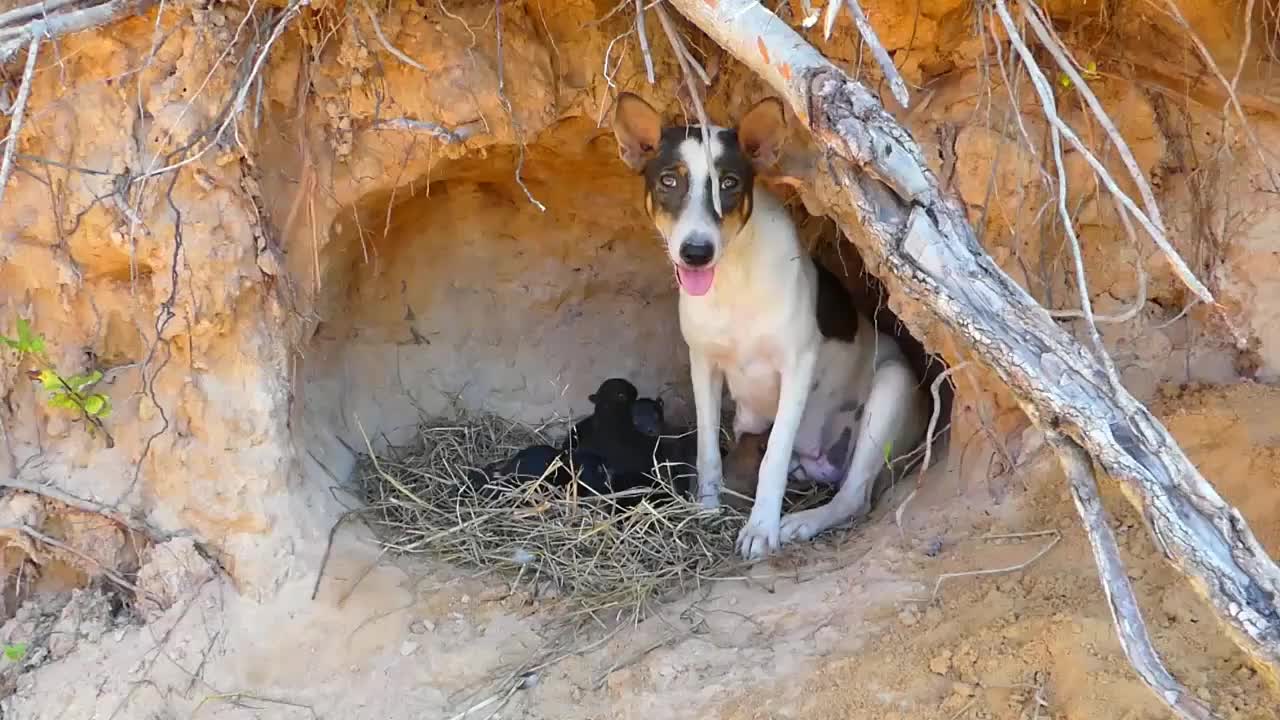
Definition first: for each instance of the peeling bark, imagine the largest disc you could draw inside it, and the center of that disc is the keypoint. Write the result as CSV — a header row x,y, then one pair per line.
x,y
879,189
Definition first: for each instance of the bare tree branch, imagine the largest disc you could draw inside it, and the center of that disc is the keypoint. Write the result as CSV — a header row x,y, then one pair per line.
x,y
19,114
386,44
896,84
1125,613
1045,92
644,41
27,12
919,241
51,25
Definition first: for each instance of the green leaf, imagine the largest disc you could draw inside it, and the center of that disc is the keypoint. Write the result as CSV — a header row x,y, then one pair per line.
x,y
80,383
50,380
888,451
15,652
95,404
10,342
29,341
60,399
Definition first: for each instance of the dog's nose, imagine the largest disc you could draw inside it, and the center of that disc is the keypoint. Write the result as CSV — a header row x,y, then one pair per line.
x,y
697,251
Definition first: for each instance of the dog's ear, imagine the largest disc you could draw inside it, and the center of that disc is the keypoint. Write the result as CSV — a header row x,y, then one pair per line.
x,y
793,170
762,131
637,126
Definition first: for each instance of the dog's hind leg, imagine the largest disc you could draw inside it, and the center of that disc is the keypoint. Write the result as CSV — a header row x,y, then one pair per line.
x,y
708,388
761,533
890,417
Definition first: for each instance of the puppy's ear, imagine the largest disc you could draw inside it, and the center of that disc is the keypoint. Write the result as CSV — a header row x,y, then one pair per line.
x,y
637,126
762,132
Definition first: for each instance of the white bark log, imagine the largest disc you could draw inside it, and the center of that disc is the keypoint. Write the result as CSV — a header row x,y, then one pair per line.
x,y
879,189
1125,613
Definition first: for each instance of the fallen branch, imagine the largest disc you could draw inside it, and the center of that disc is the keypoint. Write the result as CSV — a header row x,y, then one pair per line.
x,y
920,243
1125,613
50,24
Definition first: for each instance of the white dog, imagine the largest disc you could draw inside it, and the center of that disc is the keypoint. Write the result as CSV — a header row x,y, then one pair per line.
x,y
758,311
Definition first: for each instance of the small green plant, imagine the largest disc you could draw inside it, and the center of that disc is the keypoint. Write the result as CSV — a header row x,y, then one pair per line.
x,y
14,652
68,392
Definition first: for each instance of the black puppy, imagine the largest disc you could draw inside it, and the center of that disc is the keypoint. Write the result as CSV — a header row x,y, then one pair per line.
x,y
592,471
611,433
647,416
614,398
528,464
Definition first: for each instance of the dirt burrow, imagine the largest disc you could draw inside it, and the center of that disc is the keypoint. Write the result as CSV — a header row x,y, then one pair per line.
x,y
839,629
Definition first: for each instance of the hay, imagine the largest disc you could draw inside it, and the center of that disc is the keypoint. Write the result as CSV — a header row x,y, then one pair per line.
x,y
606,559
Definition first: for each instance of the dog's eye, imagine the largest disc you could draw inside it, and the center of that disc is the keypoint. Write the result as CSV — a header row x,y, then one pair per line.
x,y
728,182
668,180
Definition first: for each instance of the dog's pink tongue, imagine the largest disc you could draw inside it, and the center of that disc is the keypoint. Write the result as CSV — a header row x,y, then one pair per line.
x,y
696,282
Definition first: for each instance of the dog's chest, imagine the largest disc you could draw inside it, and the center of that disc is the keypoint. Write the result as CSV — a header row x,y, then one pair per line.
x,y
733,339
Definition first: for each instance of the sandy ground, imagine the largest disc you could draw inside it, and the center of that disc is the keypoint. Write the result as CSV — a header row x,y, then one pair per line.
x,y
842,629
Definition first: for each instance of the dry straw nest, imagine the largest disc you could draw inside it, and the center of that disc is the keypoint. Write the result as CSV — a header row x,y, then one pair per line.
x,y
604,558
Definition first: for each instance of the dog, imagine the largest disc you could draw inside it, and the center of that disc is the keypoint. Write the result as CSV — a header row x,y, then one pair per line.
x,y
760,314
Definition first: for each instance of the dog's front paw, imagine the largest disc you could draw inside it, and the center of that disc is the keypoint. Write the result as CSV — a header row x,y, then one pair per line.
x,y
710,502
758,537
804,525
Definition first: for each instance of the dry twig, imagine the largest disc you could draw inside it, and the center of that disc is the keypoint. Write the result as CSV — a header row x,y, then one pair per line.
x,y
112,575
386,44
19,113
1045,93
1082,280
683,56
643,35
1140,301
1057,536
896,84
1230,86
935,389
